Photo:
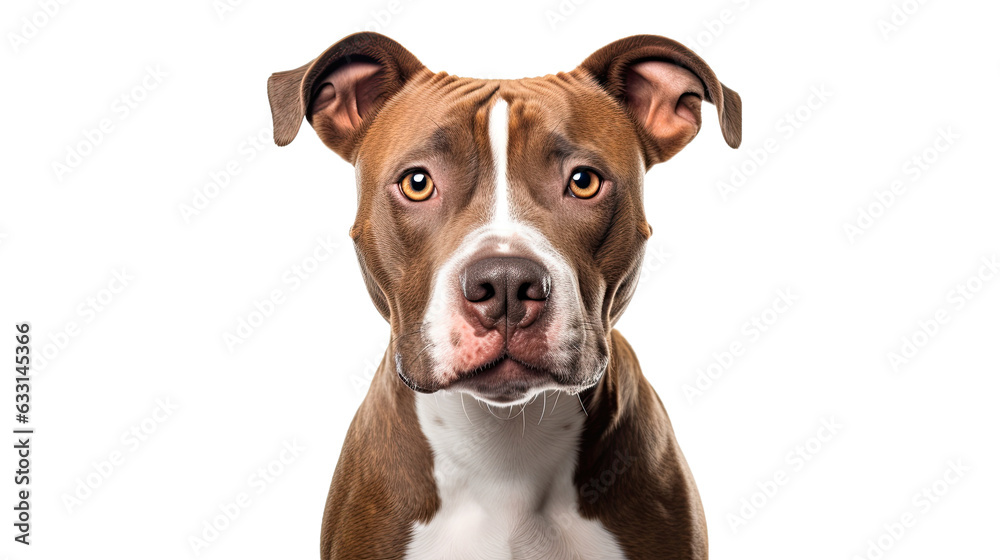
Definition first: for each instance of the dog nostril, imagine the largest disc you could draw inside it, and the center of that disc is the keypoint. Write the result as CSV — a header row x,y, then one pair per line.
x,y
533,291
484,292
475,288
522,292
536,287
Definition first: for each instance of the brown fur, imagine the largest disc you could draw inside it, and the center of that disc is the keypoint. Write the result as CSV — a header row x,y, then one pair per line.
x,y
610,113
653,507
384,480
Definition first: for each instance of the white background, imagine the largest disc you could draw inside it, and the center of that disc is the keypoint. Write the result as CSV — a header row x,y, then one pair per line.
x,y
715,262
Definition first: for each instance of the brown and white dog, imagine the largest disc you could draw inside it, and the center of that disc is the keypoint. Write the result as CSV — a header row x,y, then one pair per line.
x,y
500,232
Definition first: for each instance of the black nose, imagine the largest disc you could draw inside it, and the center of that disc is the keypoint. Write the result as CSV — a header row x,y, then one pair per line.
x,y
510,288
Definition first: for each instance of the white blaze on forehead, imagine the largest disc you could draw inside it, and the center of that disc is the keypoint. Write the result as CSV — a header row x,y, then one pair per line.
x,y
498,141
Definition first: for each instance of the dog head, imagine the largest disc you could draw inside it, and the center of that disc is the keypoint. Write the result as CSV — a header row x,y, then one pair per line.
x,y
500,226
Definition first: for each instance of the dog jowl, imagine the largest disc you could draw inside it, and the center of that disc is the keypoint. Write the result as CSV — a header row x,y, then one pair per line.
x,y
500,231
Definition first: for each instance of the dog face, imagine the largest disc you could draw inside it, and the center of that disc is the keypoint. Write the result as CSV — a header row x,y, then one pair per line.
x,y
500,224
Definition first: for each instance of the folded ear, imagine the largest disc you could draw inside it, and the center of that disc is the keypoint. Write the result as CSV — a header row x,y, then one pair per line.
x,y
662,84
341,91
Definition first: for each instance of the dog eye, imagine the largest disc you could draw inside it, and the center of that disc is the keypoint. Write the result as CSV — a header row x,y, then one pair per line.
x,y
417,185
584,183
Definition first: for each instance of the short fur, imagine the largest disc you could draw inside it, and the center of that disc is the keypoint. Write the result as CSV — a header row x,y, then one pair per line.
x,y
630,105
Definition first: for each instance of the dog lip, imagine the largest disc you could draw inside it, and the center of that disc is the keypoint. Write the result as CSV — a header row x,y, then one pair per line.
x,y
476,372
530,374
503,380
406,380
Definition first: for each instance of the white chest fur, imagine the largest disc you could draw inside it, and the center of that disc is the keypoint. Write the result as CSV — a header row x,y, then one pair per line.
x,y
505,478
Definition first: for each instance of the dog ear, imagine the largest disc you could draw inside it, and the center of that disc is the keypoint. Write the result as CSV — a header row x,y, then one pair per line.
x,y
662,84
340,91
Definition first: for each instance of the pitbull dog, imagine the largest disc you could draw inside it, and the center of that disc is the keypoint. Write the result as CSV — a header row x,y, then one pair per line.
x,y
500,231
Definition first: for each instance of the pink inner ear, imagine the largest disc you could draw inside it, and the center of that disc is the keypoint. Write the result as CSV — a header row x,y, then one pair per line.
x,y
666,99
346,94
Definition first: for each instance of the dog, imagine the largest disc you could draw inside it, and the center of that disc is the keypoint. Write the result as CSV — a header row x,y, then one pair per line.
x,y
500,231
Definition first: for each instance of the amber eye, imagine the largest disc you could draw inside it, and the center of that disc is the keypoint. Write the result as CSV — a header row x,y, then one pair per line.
x,y
584,183
417,185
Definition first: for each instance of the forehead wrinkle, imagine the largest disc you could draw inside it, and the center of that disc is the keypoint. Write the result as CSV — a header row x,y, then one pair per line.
x,y
565,104
562,149
439,144
442,142
535,114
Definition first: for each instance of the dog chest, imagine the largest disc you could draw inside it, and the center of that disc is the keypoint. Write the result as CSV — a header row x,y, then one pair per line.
x,y
505,478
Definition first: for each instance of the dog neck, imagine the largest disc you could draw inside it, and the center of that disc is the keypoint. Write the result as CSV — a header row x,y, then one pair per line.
x,y
505,476
481,449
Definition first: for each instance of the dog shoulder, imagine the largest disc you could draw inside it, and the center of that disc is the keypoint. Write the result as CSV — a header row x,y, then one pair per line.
x,y
633,476
383,482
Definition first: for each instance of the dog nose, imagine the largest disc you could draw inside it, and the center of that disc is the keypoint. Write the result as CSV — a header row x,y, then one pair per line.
x,y
510,288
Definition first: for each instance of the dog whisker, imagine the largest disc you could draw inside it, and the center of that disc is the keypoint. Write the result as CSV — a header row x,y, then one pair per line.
x,y
420,353
490,410
462,396
418,330
523,421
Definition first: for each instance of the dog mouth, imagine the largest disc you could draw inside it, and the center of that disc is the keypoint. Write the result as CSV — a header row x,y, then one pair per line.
x,y
505,380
